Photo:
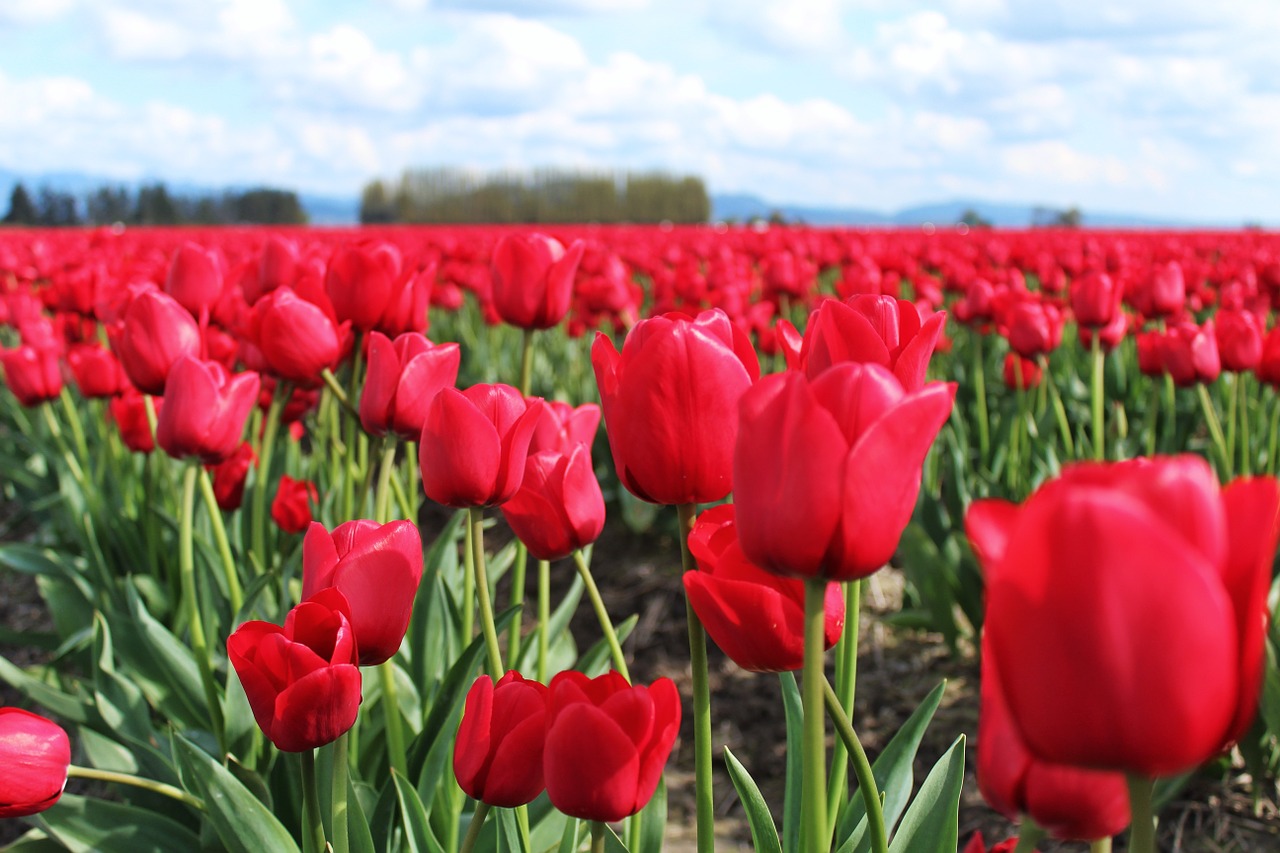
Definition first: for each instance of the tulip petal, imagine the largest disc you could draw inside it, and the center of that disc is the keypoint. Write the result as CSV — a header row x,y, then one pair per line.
x,y
595,783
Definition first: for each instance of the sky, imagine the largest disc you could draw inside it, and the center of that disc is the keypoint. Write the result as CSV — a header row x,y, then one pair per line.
x,y
1169,108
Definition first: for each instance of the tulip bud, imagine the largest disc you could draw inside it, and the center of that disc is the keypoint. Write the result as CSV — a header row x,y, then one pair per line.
x,y
35,753
498,753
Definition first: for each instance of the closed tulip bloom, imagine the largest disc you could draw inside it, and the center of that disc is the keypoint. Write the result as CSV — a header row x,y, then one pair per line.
x,y
1033,328
297,339
361,280
205,410
1070,803
195,278
826,471
755,617
1269,362
1168,289
497,756
96,371
474,445
607,743
562,427
402,380
291,507
32,373
1126,605
670,403
1239,335
1021,372
229,477
301,679
978,845
1095,299
129,411
377,568
278,266
1189,353
35,753
533,279
559,507
872,330
157,331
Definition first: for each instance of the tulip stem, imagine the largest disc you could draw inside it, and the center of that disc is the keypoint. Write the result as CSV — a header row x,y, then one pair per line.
x,y
813,807
705,800
477,823
263,481
234,592
76,772
1029,835
313,840
476,536
382,498
1100,845
518,574
606,625
1060,414
187,573
73,465
1215,430
1154,418
544,617
1099,424
397,756
1272,447
846,690
1242,392
526,363
861,768
597,836
73,420
980,398
338,796
1142,830
332,383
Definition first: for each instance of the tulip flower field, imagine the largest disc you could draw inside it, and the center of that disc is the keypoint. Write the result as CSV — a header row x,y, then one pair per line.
x,y
313,515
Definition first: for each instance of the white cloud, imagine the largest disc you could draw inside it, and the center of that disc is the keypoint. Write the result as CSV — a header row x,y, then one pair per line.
x,y
788,26
34,11
1059,163
135,35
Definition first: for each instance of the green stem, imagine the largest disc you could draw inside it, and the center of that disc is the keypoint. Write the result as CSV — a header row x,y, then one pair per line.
x,y
1274,437
846,689
1100,845
415,494
397,755
861,767
313,840
1153,419
980,398
526,363
382,499
701,698
1171,414
597,836
339,394
813,807
1242,391
263,481
606,625
338,796
234,592
494,651
516,631
187,573
1099,425
1029,835
544,617
1142,830
73,465
1215,430
73,420
1060,415
76,772
477,824
1232,418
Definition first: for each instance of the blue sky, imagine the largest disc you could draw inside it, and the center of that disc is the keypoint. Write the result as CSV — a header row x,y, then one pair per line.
x,y
1163,107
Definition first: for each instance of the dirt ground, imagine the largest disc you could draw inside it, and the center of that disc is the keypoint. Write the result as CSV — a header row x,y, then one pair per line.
x,y
896,670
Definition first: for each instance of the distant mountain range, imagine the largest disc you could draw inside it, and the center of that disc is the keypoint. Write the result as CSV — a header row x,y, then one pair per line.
x,y
740,207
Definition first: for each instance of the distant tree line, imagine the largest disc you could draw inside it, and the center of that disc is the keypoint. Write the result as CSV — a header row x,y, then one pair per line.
x,y
446,195
152,204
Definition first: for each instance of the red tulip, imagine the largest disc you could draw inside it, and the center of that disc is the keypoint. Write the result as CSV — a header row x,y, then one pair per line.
x,y
872,330
278,267
1269,363
497,756
157,331
32,373
558,507
827,471
1126,605
377,568
361,280
195,278
298,339
1095,299
533,279
561,427
1189,353
754,616
301,679
96,371
607,743
229,476
1021,372
978,845
1168,289
1070,803
291,507
474,445
1239,334
402,380
671,404
1034,328
129,411
35,753
205,410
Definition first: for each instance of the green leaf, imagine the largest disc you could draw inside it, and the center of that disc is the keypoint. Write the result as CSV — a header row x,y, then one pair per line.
x,y
931,824
417,825
75,709
81,825
653,826
1271,690
794,710
764,834
162,665
357,823
242,822
893,774
509,835
597,659
557,626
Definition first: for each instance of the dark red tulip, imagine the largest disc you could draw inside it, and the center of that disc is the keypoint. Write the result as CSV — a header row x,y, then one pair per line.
x,y
1095,299
558,507
474,444
607,743
96,371
205,410
1168,289
533,279
498,753
35,753
1269,363
195,278
670,403
826,471
1033,328
157,331
297,339
377,568
129,411
229,477
402,380
301,679
755,617
1239,335
291,508
32,373
1021,372
978,845
361,280
1100,672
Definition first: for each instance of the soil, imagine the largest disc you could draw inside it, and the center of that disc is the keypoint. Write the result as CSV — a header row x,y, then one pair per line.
x,y
896,670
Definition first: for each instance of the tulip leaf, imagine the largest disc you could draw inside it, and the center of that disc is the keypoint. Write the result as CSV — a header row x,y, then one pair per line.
x,y
893,774
417,825
425,635
596,660
764,834
931,824
932,579
653,820
81,824
556,626
357,824
161,664
1271,690
509,835
70,707
794,710
242,822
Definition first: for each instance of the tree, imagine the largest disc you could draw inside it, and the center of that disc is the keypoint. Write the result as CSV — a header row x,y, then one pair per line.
x,y
22,211
974,219
57,209
155,206
107,205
